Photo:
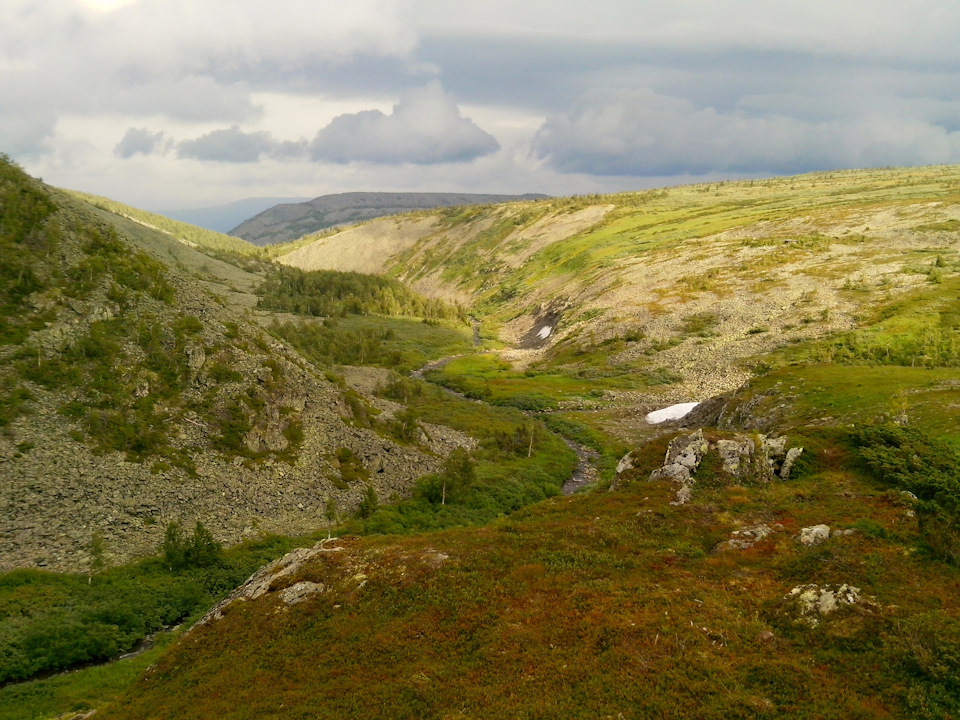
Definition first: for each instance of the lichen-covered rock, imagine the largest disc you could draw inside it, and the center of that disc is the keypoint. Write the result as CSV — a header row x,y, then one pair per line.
x,y
792,455
815,601
815,534
674,473
682,460
260,583
748,457
687,450
736,455
745,537
626,463
300,591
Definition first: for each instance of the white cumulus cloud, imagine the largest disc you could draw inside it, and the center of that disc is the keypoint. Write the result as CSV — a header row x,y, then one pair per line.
x,y
424,128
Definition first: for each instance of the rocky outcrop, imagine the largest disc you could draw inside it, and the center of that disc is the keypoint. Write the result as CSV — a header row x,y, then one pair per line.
x,y
683,457
814,535
788,461
333,567
814,602
754,457
264,580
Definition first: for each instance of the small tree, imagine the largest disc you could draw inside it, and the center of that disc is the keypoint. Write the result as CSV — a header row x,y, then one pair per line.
x,y
330,513
200,550
174,546
458,474
368,506
203,550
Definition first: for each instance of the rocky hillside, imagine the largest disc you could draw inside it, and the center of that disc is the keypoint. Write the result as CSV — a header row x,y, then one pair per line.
x,y
199,237
698,280
290,221
789,548
134,392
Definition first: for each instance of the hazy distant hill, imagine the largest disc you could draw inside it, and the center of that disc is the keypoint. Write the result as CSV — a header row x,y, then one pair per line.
x,y
224,217
289,222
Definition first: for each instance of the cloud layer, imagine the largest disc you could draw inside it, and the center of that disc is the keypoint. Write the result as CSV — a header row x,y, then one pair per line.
x,y
138,140
425,128
282,98
638,132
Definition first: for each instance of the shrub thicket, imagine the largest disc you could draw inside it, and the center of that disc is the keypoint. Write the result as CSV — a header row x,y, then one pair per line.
x,y
51,621
910,460
327,293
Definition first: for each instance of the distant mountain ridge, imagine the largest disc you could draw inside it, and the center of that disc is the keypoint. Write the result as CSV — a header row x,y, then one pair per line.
x,y
221,218
287,222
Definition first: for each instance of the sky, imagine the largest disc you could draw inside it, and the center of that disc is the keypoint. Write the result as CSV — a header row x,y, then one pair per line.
x,y
190,103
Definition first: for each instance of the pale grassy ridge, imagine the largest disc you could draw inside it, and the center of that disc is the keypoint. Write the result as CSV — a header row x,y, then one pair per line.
x,y
644,220
183,232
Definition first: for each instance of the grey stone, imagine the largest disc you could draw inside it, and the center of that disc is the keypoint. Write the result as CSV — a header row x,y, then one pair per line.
x,y
626,463
815,534
789,460
817,601
300,592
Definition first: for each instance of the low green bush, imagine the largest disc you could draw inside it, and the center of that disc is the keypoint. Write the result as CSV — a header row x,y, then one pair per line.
x,y
910,460
52,621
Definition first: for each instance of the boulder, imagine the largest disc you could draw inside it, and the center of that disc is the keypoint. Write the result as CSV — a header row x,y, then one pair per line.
x,y
745,538
815,534
674,473
300,592
736,455
789,460
815,601
626,463
687,450
682,459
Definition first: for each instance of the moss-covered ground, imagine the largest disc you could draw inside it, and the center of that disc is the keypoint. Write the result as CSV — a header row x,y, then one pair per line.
x,y
609,604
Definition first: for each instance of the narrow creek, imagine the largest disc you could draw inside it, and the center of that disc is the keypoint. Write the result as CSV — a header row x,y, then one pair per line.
x,y
585,472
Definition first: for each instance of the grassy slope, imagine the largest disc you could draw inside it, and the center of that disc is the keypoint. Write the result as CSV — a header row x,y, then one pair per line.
x,y
758,264
612,603
604,605
471,246
184,232
80,690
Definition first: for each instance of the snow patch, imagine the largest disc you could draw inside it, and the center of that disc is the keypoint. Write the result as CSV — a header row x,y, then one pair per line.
x,y
544,332
674,412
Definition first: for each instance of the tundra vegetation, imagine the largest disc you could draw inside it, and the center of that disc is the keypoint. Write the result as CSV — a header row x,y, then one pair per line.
x,y
822,308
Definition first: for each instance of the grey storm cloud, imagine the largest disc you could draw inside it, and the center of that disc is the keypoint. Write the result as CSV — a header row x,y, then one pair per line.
x,y
424,128
187,60
639,132
139,140
231,145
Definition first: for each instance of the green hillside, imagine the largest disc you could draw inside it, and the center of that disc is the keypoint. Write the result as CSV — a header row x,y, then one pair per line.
x,y
184,232
789,549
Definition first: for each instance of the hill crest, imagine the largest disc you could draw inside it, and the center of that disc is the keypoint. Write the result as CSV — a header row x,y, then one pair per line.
x,y
290,221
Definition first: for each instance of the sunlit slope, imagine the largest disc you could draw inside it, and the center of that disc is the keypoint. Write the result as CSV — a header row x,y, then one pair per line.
x,y
181,231
703,277
612,604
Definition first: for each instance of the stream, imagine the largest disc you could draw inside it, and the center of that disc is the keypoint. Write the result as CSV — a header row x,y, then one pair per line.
x,y
585,472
